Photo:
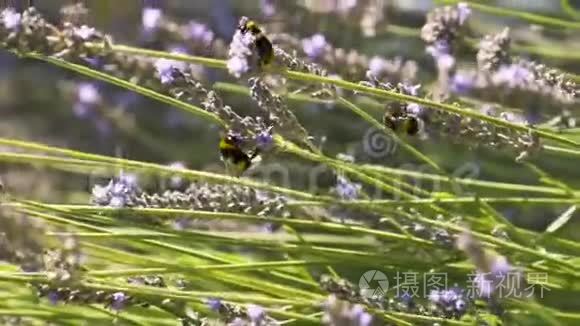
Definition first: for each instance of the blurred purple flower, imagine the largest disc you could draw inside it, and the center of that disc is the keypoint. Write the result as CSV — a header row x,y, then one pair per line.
x,y
151,18
462,83
11,19
88,93
200,32
315,46
345,189
214,304
464,12
513,76
268,7
53,297
376,65
87,97
441,52
238,66
499,270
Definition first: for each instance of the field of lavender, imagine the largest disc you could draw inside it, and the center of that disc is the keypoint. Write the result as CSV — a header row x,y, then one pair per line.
x,y
271,162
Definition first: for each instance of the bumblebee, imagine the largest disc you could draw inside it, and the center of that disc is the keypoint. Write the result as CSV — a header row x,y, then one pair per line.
x,y
263,45
399,122
234,158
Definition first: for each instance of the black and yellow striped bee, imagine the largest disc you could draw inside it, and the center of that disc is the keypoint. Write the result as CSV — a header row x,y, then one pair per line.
x,y
234,158
263,45
402,122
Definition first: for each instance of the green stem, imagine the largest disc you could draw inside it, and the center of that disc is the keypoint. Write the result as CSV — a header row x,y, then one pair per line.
x,y
527,16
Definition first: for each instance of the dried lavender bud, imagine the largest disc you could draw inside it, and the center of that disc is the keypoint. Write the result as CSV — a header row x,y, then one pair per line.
x,y
443,23
198,196
149,280
70,295
184,87
277,112
63,265
493,51
342,288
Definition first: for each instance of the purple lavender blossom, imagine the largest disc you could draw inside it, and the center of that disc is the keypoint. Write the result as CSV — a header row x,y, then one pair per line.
x,y
240,54
11,19
255,313
264,140
151,18
315,46
119,299
117,193
165,68
214,304
513,75
345,189
441,52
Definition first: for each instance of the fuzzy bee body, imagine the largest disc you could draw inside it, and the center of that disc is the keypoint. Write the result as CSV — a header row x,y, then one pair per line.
x,y
264,47
235,159
408,124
